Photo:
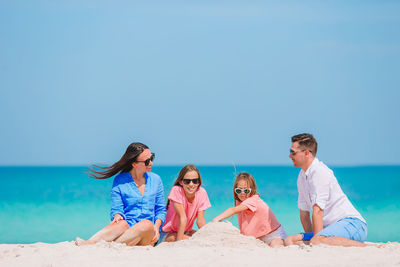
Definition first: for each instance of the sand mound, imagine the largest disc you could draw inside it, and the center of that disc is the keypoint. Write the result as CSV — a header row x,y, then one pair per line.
x,y
218,234
216,244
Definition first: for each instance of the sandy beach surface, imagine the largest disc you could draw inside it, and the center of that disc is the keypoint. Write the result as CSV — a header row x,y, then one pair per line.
x,y
216,244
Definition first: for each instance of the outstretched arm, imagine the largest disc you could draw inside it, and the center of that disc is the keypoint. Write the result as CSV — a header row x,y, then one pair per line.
x,y
229,212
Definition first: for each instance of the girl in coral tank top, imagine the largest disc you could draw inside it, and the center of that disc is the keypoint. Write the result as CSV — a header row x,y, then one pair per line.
x,y
255,217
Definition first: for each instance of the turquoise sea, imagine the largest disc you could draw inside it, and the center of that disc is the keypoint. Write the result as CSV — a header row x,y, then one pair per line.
x,y
54,204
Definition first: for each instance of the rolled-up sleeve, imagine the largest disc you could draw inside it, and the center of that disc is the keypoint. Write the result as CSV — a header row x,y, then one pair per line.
x,y
159,208
319,189
301,202
117,205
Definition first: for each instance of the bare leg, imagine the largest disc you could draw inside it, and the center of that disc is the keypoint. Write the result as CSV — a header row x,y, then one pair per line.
x,y
276,242
171,237
108,233
190,233
295,240
140,234
336,241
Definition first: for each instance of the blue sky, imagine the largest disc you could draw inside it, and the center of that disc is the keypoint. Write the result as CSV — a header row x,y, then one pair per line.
x,y
203,82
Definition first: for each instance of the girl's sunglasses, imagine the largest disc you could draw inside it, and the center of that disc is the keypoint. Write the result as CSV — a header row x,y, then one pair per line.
x,y
147,161
238,190
194,181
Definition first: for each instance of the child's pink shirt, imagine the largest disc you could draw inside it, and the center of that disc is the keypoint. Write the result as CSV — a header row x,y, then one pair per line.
x,y
177,194
258,219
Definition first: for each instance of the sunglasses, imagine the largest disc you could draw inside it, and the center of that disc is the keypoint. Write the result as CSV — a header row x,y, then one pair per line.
x,y
293,153
238,190
147,161
194,181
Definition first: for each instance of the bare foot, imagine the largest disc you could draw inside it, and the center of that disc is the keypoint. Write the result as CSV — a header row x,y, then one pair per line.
x,y
380,245
80,242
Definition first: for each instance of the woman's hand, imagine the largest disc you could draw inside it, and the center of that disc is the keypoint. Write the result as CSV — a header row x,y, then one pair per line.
x,y
117,218
156,235
157,226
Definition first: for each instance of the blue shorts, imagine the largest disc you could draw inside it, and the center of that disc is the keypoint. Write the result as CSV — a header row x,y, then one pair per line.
x,y
162,237
351,228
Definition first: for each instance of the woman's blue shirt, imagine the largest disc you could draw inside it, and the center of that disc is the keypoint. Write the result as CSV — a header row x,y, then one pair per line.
x,y
127,200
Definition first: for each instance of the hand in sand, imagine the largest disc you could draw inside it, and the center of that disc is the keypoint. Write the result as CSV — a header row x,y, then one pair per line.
x,y
156,235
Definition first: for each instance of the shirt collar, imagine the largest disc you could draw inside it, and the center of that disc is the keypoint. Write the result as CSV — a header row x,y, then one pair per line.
x,y
315,162
146,176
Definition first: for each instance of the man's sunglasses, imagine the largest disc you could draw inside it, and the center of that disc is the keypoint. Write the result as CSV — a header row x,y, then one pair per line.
x,y
194,181
147,161
293,153
238,190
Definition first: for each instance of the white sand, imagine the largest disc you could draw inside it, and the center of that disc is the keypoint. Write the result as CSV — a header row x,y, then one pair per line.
x,y
216,244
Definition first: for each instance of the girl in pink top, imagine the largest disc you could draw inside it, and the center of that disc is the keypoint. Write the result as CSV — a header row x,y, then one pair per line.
x,y
255,217
187,202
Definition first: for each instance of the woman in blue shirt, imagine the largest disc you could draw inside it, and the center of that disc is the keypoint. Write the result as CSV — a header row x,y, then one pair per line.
x,y
137,200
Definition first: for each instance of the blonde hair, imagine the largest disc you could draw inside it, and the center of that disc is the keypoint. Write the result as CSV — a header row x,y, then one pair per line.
x,y
251,182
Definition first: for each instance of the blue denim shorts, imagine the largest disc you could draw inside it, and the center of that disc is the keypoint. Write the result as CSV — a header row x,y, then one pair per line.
x,y
162,237
351,228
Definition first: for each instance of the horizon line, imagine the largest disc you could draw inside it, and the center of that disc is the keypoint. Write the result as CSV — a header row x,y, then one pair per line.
x,y
199,165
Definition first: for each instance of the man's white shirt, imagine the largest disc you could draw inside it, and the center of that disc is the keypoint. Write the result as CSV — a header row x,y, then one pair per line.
x,y
318,185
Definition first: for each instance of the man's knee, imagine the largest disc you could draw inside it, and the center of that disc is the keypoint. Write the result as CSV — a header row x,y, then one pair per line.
x,y
318,239
293,239
289,241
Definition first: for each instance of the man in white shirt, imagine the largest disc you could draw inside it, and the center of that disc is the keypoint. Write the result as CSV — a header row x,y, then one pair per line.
x,y
334,219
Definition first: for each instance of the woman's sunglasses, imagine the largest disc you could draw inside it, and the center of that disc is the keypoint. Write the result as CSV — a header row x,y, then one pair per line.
x,y
242,190
194,181
147,161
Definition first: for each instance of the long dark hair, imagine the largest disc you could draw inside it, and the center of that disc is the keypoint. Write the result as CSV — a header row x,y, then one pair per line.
x,y
123,165
182,173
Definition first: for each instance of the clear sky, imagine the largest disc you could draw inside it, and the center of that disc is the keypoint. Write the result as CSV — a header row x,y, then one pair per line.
x,y
203,82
